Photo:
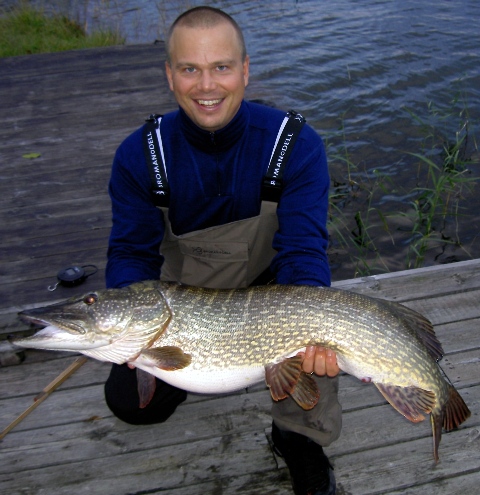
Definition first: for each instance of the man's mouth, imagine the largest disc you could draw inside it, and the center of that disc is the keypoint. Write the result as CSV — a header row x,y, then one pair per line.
x,y
209,103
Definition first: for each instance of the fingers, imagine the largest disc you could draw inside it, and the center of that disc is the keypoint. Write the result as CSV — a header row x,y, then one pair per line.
x,y
331,366
308,364
320,361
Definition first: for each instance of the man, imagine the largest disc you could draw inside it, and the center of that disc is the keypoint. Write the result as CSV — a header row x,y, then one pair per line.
x,y
215,230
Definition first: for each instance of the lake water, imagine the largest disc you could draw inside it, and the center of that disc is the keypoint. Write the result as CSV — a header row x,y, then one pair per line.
x,y
353,68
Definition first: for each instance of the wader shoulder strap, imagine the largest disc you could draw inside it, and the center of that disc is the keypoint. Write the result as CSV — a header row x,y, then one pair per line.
x,y
287,135
272,182
153,147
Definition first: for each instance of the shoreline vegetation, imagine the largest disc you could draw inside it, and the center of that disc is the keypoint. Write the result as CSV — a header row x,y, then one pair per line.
x,y
26,30
365,237
423,229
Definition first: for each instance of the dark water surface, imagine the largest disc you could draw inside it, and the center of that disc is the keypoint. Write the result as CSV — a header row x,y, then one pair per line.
x,y
352,67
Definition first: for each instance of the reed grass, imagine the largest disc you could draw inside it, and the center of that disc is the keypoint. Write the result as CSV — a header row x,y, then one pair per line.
x,y
431,218
27,30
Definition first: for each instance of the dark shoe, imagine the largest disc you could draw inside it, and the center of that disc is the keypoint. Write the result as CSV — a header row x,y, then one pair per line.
x,y
310,470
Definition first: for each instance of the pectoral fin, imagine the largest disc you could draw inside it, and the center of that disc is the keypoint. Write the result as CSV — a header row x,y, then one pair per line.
x,y
287,378
169,358
409,401
306,393
146,386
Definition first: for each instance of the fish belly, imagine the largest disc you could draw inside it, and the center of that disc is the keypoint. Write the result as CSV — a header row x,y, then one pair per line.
x,y
215,381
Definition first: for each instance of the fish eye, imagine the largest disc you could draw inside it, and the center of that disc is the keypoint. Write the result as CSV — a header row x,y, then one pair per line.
x,y
90,299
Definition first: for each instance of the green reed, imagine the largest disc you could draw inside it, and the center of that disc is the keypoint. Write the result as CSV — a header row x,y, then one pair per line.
x,y
437,208
430,219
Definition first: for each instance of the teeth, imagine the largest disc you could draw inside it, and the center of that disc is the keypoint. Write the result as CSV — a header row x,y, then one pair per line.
x,y
209,103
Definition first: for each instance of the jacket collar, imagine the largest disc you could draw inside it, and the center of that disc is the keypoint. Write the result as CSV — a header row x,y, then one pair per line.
x,y
221,140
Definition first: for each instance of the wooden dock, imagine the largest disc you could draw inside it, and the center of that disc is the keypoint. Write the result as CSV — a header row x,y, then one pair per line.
x,y
73,109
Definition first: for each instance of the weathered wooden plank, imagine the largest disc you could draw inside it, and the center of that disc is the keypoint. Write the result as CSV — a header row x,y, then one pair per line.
x,y
22,196
115,58
423,282
104,435
101,436
49,215
119,451
467,484
459,336
380,426
145,469
30,378
66,244
40,80
404,465
275,482
31,176
449,308
22,270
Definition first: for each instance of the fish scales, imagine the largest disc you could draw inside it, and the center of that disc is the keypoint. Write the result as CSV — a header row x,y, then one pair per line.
x,y
214,341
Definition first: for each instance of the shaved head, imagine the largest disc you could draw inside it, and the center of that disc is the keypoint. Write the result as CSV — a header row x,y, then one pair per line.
x,y
204,18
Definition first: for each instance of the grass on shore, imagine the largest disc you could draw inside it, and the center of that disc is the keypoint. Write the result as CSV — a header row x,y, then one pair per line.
x,y
26,30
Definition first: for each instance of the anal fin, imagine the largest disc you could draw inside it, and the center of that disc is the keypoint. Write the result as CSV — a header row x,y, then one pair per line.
x,y
411,402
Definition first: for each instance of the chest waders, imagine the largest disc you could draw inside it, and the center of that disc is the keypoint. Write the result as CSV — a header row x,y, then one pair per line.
x,y
226,256
234,255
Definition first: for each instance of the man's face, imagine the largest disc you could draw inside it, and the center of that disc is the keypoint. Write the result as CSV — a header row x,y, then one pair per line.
x,y
206,74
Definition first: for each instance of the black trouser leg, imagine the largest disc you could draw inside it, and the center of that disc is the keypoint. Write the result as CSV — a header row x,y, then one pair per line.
x,y
122,398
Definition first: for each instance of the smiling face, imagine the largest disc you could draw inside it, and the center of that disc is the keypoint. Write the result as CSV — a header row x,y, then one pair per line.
x,y
207,73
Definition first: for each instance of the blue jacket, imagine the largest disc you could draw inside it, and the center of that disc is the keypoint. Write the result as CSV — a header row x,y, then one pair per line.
x,y
216,178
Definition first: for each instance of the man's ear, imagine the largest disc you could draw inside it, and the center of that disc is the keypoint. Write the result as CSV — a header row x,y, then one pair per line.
x,y
246,69
168,72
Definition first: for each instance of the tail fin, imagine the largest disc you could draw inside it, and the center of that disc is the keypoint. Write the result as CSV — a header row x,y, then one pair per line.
x,y
451,416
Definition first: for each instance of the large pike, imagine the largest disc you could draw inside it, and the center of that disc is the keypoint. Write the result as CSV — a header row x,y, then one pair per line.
x,y
214,341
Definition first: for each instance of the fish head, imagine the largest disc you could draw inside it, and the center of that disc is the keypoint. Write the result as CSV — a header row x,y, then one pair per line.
x,y
131,317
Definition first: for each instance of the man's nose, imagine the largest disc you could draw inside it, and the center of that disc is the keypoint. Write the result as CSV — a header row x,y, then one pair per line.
x,y
207,81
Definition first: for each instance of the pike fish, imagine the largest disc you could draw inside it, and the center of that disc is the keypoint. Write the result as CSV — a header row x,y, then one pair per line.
x,y
216,341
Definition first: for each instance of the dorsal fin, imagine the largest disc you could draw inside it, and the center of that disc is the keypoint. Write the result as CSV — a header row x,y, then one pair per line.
x,y
421,325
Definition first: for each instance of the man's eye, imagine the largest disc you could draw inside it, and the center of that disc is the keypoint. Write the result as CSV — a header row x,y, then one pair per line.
x,y
222,68
190,70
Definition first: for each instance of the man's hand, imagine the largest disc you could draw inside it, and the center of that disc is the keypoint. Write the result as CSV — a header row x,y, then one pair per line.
x,y
320,361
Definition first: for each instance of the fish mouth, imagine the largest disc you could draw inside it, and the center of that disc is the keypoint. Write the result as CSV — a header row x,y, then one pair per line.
x,y
53,339
71,325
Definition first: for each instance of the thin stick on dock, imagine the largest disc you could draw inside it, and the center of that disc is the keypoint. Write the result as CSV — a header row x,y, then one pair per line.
x,y
64,375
